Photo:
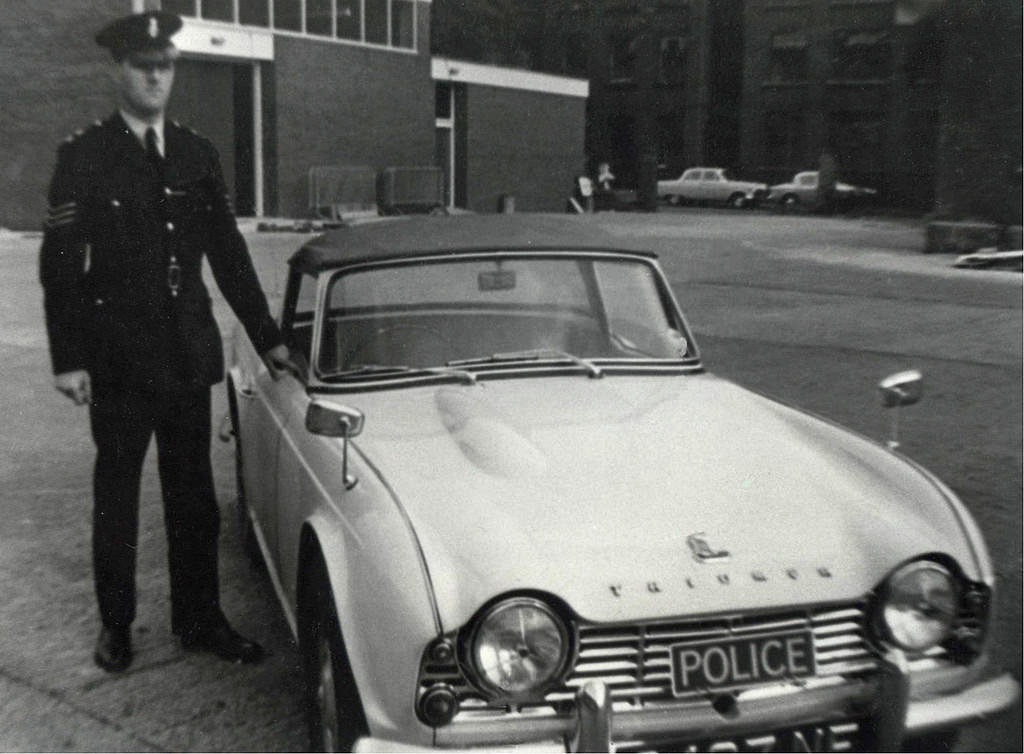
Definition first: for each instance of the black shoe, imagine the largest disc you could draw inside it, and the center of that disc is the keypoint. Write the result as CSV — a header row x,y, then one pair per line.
x,y
223,641
113,649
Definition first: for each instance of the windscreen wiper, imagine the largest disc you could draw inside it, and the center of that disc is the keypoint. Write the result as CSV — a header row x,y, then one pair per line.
x,y
535,354
363,369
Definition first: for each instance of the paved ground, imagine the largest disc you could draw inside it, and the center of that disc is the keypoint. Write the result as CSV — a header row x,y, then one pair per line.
x,y
814,310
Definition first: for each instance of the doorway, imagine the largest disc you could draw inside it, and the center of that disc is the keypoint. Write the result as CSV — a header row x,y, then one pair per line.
x,y
218,99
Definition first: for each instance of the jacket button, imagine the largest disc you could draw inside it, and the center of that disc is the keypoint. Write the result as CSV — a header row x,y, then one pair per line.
x,y
170,227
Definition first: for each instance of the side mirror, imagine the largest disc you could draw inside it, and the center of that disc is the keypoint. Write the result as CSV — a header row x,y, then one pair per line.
x,y
898,390
902,388
332,420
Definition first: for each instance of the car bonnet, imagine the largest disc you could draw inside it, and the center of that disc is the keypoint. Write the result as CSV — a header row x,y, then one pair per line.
x,y
647,496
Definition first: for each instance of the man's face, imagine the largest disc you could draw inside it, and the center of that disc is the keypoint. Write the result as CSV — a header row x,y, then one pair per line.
x,y
145,81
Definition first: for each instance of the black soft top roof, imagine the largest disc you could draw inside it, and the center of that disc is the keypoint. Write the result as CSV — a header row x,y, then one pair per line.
x,y
401,237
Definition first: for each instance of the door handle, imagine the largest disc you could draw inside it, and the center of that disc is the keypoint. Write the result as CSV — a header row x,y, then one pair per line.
x,y
246,392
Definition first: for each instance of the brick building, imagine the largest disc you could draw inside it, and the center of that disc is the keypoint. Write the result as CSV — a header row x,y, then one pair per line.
x,y
918,98
286,86
648,66
876,83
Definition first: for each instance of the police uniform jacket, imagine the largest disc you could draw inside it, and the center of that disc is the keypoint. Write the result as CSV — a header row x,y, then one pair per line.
x,y
121,261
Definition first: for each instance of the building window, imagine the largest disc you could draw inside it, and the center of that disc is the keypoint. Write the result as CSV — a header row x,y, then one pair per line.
x,y
254,13
288,15
403,19
318,17
789,56
389,23
861,55
622,58
858,139
784,140
376,21
181,7
350,19
672,64
218,10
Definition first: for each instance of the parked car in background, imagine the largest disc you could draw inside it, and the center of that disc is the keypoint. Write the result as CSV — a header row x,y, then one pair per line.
x,y
802,191
711,185
504,503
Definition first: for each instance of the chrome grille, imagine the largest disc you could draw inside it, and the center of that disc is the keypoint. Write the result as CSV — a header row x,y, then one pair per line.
x,y
633,660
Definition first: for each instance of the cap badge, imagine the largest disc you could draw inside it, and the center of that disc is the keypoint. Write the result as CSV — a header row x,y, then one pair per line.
x,y
154,28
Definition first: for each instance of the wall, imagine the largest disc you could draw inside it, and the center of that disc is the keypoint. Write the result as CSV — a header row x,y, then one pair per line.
x,y
337,104
980,137
54,80
527,144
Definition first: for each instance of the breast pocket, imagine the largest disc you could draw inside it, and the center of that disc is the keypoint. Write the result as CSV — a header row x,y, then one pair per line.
x,y
188,200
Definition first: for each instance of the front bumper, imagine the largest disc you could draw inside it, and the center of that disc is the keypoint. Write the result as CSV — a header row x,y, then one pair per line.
x,y
883,703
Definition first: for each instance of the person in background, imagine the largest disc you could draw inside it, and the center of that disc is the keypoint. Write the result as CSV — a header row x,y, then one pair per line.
x,y
136,202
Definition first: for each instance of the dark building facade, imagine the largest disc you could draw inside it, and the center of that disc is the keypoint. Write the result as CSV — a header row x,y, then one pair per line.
x,y
890,90
284,87
920,99
650,75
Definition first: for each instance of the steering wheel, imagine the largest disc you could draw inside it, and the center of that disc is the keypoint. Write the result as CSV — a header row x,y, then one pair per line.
x,y
388,329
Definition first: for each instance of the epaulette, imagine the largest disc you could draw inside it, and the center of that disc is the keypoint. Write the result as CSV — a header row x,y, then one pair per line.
x,y
82,131
190,130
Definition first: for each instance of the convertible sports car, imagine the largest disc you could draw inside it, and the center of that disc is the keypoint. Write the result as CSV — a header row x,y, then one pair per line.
x,y
504,503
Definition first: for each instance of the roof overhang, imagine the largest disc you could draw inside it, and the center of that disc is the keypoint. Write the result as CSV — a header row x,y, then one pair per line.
x,y
463,72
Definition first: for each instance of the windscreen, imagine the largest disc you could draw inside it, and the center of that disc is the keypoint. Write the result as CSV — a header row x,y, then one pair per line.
x,y
437,312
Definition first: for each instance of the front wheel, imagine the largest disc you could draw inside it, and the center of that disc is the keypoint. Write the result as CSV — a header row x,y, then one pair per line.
x,y
334,712
737,201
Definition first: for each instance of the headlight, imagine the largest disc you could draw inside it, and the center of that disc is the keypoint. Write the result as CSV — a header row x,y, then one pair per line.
x,y
919,605
519,646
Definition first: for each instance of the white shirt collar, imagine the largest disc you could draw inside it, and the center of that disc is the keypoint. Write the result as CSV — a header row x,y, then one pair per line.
x,y
139,127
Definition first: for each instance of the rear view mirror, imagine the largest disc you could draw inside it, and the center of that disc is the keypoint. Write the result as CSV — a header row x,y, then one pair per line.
x,y
500,280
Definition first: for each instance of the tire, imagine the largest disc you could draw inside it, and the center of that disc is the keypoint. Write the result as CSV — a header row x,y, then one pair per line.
x,y
334,712
790,202
674,200
737,201
942,741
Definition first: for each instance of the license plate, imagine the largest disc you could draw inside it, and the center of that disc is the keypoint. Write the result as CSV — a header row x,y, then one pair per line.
x,y
720,664
823,737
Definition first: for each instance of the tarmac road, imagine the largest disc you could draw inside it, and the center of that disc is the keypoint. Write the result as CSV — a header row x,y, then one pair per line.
x,y
812,310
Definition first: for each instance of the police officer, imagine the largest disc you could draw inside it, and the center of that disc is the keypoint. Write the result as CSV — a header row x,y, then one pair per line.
x,y
136,202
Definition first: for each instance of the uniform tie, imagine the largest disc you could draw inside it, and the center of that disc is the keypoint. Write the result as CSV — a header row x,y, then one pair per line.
x,y
152,151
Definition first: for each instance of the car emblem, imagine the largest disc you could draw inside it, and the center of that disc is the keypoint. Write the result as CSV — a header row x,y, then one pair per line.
x,y
703,552
154,27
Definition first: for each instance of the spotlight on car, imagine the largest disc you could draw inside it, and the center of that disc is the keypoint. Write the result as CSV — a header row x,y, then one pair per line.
x,y
918,607
519,646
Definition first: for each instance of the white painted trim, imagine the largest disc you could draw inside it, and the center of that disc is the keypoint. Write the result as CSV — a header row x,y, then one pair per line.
x,y
257,138
224,40
461,72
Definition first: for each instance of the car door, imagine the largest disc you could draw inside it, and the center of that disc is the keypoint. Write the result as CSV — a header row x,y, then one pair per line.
x,y
713,188
260,428
690,185
279,400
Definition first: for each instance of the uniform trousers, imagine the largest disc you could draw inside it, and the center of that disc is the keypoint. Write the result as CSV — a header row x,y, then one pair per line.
x,y
122,425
